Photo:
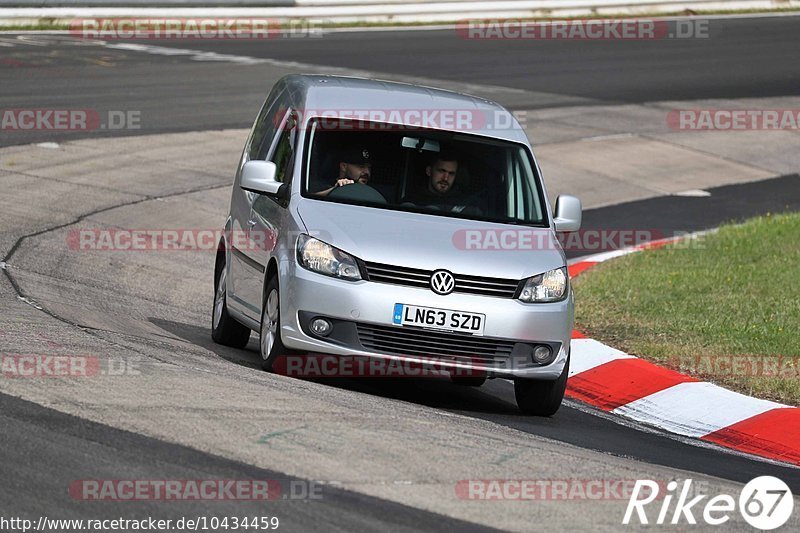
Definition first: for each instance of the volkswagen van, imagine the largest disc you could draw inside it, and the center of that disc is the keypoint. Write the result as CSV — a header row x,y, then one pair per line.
x,y
441,246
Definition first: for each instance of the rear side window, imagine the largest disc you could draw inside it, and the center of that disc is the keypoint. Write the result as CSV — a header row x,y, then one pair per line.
x,y
283,155
266,125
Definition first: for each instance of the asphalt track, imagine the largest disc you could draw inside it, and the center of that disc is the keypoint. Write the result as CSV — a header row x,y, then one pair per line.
x,y
667,215
749,59
43,451
743,58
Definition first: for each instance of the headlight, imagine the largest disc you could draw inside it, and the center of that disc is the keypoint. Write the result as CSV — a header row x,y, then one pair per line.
x,y
322,258
548,287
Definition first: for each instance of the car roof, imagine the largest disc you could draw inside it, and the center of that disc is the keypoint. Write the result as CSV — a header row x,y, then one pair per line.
x,y
338,95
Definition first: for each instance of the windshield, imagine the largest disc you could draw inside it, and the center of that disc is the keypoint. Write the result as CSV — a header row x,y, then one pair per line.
x,y
406,168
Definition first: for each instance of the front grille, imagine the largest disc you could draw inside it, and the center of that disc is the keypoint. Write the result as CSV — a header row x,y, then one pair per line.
x,y
429,344
415,277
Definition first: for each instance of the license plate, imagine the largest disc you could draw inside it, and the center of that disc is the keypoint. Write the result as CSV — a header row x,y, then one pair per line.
x,y
443,319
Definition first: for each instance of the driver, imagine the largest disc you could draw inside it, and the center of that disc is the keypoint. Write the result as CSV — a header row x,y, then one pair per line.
x,y
354,167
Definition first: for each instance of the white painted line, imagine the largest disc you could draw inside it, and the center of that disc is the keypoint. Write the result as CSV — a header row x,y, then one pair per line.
x,y
49,145
608,137
605,256
577,260
31,40
195,55
694,409
586,354
202,55
693,193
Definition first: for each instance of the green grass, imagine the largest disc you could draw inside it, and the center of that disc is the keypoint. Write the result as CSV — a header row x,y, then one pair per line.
x,y
731,296
41,26
51,24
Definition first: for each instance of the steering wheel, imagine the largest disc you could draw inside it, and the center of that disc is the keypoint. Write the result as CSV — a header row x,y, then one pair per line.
x,y
359,192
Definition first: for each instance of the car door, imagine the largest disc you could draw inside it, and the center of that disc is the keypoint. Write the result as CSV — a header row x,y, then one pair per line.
x,y
266,220
245,272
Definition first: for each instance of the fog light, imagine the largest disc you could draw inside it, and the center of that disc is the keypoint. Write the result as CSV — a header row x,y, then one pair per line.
x,y
542,354
321,327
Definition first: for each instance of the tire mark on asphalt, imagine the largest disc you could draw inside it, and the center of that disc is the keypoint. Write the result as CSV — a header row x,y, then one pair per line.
x,y
264,439
22,295
28,174
696,150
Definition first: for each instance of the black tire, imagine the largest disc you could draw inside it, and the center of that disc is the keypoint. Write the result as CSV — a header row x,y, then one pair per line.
x,y
541,398
271,309
468,381
224,328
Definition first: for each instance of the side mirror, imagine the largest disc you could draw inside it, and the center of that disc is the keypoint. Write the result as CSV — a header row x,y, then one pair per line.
x,y
259,177
568,214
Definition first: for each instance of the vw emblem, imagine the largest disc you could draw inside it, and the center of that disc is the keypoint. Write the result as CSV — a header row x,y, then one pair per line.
x,y
442,282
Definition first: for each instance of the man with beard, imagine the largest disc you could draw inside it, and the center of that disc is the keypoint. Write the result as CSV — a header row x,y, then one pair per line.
x,y
438,192
354,167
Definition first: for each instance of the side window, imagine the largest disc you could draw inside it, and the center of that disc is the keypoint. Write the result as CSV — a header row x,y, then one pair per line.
x,y
283,154
266,125
531,208
283,157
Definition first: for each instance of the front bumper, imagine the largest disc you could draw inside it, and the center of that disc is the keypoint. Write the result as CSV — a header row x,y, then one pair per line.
x,y
353,306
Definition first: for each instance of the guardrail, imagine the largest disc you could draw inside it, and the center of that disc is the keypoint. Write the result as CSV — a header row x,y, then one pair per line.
x,y
350,11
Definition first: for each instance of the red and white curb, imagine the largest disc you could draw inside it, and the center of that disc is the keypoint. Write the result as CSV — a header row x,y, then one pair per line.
x,y
638,390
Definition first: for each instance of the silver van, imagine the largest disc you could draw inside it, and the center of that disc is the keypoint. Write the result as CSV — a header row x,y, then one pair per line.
x,y
397,223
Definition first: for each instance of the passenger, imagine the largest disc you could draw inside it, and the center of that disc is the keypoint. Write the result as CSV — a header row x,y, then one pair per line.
x,y
355,166
439,190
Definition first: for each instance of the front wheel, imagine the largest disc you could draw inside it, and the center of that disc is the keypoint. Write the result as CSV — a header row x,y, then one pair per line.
x,y
541,398
271,345
224,328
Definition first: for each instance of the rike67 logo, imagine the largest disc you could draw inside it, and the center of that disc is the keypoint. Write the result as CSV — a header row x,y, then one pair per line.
x,y
766,503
